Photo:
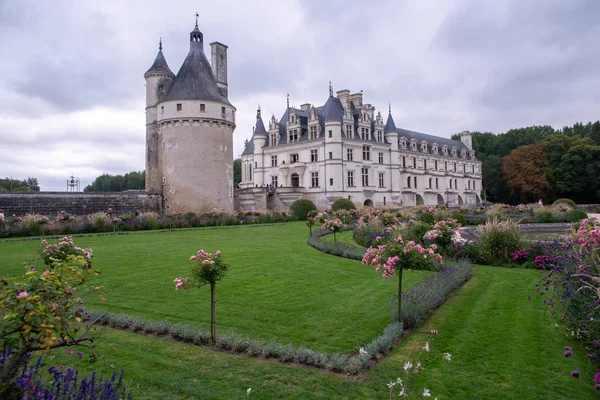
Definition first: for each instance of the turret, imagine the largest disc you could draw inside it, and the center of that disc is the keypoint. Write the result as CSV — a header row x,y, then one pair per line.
x,y
260,133
158,79
390,131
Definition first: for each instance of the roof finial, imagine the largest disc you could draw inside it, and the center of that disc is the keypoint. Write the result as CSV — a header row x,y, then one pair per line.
x,y
288,100
330,90
197,15
390,104
160,44
258,113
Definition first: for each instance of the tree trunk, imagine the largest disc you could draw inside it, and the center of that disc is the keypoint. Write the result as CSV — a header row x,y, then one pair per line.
x,y
334,238
399,293
213,313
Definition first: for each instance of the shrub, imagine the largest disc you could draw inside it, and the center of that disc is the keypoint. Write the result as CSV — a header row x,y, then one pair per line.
x,y
335,248
149,220
337,362
343,204
576,215
412,230
568,202
427,218
499,240
99,222
301,207
542,216
460,218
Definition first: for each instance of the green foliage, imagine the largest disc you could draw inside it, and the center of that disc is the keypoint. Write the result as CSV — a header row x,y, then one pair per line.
x,y
568,202
237,172
459,217
209,268
15,185
427,218
499,240
576,215
117,183
412,230
543,216
343,204
335,248
301,207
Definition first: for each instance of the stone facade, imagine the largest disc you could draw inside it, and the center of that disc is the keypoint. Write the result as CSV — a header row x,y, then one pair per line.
x,y
189,131
344,149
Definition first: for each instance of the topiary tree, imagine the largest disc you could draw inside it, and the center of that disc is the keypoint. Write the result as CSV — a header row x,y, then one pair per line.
x,y
209,269
301,207
394,256
335,225
576,215
343,204
568,202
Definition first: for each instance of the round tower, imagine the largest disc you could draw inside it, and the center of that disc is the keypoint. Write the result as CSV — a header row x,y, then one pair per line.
x,y
196,123
158,81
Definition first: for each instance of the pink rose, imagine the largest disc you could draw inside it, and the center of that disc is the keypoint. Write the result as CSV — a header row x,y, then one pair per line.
x,y
22,295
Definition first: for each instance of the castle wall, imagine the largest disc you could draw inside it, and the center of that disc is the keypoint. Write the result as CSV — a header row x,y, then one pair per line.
x,y
197,161
51,203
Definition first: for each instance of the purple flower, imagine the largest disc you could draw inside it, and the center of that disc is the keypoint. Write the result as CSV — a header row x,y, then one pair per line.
x,y
568,353
575,374
80,354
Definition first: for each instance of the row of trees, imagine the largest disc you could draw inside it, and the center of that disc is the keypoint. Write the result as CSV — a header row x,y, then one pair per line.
x,y
540,162
15,185
117,183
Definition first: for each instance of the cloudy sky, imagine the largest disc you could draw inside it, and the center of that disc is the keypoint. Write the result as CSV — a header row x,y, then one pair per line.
x,y
72,93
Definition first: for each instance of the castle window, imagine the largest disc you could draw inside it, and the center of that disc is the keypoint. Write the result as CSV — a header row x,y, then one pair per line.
x,y
273,141
430,181
415,162
179,107
255,164
161,88
330,133
294,158
313,132
163,144
330,181
435,162
349,131
365,177
380,158
314,179
349,154
455,184
365,133
202,107
293,135
250,176
424,147
314,156
408,182
450,183
437,183
469,185
381,180
164,180
403,144
446,166
424,164
223,111
366,153
473,185
274,181
415,181
403,161
454,167
413,145
162,109
330,155
379,137
351,178
273,161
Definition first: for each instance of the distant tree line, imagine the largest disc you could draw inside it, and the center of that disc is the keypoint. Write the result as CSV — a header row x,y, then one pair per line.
x,y
117,183
539,162
15,185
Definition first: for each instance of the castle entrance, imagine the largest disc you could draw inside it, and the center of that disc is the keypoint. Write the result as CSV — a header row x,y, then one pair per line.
x,y
295,180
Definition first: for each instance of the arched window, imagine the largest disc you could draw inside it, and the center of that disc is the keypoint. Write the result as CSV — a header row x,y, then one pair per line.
x,y
408,182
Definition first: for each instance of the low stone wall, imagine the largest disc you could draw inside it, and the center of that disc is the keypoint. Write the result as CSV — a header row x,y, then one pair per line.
x,y
51,203
589,208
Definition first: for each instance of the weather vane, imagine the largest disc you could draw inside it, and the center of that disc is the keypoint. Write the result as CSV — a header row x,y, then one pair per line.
x,y
197,15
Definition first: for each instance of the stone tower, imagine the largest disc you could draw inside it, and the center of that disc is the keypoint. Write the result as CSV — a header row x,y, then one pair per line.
x,y
189,131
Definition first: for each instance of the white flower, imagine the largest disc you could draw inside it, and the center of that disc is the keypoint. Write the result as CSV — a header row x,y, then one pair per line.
x,y
447,356
399,381
407,366
248,391
426,393
426,348
402,393
556,326
391,385
362,351
418,366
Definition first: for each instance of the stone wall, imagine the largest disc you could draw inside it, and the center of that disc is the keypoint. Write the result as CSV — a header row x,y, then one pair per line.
x,y
51,203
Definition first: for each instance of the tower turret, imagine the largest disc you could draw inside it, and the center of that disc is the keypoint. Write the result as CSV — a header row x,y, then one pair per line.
x,y
467,138
260,133
390,131
158,81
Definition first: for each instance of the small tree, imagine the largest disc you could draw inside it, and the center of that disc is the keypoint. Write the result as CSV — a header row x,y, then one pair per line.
x,y
444,234
43,309
209,269
396,256
334,225
311,220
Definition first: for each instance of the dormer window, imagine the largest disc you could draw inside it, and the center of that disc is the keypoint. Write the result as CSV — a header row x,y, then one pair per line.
x,y
403,144
379,136
454,151
349,131
445,150
434,148
463,153
293,135
424,147
273,139
179,107
413,146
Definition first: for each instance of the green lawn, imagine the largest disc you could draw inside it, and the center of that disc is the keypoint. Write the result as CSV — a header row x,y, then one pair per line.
x,y
278,288
343,237
503,346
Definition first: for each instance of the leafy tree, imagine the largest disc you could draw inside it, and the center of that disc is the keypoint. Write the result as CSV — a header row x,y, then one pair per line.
x,y
33,184
237,172
595,132
524,171
117,183
15,185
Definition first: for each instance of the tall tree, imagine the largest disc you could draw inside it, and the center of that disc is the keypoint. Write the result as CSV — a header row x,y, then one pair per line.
x,y
117,183
32,183
237,172
524,170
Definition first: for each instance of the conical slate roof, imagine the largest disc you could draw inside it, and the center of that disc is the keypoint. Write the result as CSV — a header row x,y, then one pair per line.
x,y
160,65
195,80
390,126
260,127
333,110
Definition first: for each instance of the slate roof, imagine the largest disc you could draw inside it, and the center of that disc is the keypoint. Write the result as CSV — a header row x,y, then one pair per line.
x,y
430,139
333,110
195,80
390,126
260,128
249,149
160,65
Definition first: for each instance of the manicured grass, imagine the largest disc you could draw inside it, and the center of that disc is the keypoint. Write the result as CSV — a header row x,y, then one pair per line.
x,y
343,237
503,346
278,288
